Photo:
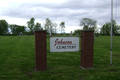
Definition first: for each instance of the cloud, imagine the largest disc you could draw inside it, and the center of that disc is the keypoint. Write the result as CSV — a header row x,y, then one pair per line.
x,y
69,11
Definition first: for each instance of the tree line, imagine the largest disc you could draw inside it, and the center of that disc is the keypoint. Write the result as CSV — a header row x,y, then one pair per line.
x,y
105,29
49,26
52,27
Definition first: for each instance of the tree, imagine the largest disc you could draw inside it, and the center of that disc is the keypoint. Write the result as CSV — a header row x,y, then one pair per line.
x,y
20,29
38,26
116,27
3,27
13,28
54,26
31,24
77,32
88,24
62,26
16,29
48,25
106,28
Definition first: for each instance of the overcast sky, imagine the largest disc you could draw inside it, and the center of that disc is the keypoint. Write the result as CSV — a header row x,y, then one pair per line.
x,y
69,11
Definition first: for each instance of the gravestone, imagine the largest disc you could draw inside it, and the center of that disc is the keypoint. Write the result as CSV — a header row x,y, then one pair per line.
x,y
77,34
71,34
97,35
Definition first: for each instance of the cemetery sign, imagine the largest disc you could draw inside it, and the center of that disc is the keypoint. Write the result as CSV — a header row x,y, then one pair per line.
x,y
64,44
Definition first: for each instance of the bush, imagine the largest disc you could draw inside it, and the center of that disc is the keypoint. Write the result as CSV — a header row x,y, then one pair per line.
x,y
8,35
116,34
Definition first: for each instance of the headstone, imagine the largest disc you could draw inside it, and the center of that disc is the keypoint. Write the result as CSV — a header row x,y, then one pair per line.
x,y
64,33
19,34
97,35
50,34
71,34
77,34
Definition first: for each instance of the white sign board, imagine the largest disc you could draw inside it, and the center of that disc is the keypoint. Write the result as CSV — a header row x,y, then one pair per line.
x,y
64,44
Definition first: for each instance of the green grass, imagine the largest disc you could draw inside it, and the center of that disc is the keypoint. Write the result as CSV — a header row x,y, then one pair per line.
x,y
17,61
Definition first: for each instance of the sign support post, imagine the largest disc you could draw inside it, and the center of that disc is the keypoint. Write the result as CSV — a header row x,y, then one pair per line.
x,y
40,51
87,41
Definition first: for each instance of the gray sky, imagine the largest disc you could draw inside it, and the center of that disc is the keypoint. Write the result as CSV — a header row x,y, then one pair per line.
x,y
69,11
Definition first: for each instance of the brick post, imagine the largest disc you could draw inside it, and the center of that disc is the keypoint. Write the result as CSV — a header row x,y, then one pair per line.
x,y
40,51
87,40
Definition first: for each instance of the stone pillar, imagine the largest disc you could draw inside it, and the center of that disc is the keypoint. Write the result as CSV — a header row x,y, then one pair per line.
x,y
87,40
40,51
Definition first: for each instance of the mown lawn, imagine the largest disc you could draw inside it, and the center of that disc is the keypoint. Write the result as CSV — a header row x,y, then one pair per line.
x,y
17,61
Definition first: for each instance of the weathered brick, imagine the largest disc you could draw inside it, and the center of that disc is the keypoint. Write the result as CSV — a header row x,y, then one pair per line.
x,y
87,38
40,51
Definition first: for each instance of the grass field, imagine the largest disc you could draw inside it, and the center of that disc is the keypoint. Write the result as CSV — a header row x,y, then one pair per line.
x,y
17,61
